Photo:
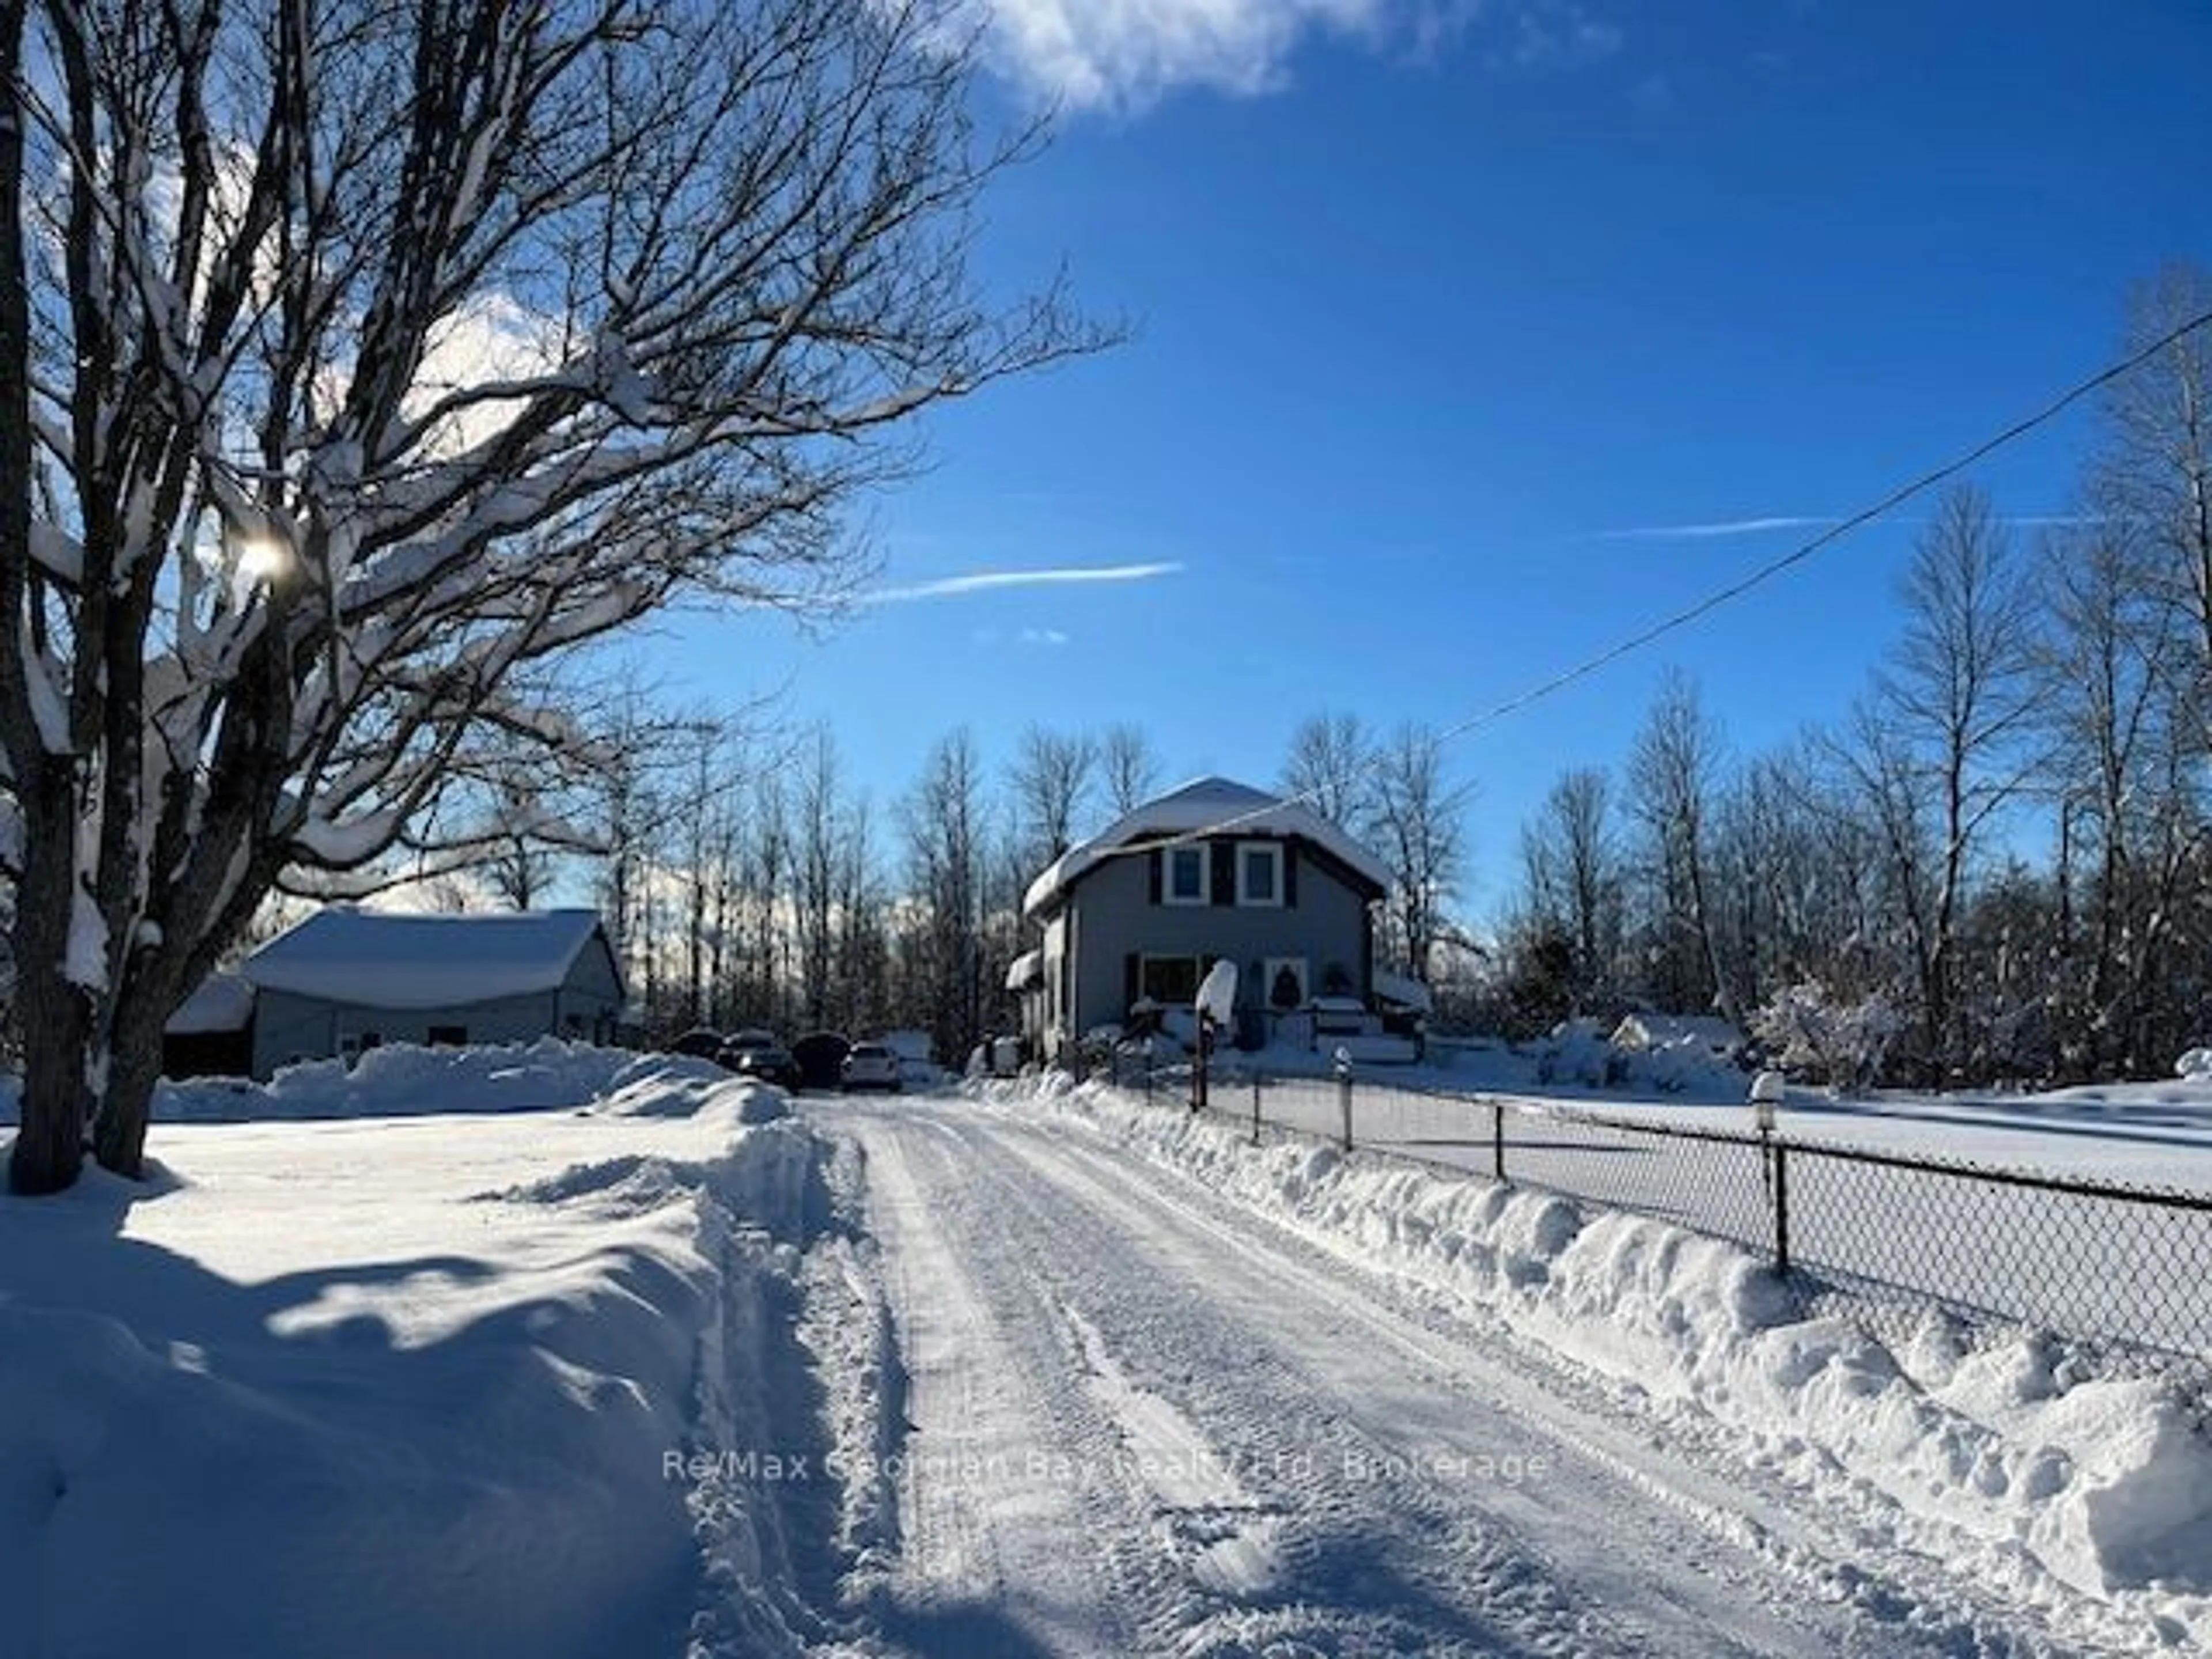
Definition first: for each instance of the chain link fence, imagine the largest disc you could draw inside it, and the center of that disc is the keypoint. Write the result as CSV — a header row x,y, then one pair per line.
x,y
2124,1271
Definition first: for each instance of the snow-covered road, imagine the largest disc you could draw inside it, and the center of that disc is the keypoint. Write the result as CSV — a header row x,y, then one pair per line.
x,y
1138,1418
1032,1369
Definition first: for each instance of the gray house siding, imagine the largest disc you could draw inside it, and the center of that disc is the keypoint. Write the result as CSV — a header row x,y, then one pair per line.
x,y
289,1028
1112,915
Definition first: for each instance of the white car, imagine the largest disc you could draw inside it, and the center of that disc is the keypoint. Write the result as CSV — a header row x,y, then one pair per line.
x,y
871,1066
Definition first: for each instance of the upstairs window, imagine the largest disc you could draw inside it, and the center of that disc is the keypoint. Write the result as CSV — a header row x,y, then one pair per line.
x,y
1186,875
1260,872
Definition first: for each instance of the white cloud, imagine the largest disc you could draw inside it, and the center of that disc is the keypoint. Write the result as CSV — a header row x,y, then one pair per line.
x,y
1561,35
985,581
491,337
1721,528
1697,532
1088,54
1046,636
1124,54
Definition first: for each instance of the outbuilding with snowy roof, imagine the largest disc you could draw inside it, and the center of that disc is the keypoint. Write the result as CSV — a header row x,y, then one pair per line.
x,y
1215,870
347,980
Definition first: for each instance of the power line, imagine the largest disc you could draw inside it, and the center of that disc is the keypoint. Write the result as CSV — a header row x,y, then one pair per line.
x,y
1758,578
1835,532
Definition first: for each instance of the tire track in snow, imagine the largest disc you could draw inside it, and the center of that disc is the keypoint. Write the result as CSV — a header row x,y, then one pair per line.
x,y
1913,1604
1382,1541
1198,1325
1232,1537
1010,1541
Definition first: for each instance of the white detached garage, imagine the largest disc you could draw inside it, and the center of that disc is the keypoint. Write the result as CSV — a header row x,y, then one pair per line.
x,y
347,980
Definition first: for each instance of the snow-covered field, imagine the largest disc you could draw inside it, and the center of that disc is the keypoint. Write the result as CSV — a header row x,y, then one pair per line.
x,y
2157,1133
638,1361
2087,1210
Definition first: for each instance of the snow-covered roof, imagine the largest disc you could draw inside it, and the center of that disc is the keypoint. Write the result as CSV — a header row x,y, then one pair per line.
x,y
1028,970
386,959
1204,806
224,1002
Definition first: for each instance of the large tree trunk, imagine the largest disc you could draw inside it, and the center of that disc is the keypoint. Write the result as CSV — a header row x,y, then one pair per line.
x,y
57,1014
49,1147
126,1104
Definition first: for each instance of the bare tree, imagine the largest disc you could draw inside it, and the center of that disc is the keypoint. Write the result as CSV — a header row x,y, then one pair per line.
x,y
821,828
1792,873
2115,688
1331,767
1673,774
948,845
863,908
1419,818
1051,780
354,358
519,866
631,748
1576,882
1128,768
1957,698
762,868
708,817
2151,471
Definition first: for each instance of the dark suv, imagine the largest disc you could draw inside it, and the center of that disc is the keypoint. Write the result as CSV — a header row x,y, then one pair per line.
x,y
760,1056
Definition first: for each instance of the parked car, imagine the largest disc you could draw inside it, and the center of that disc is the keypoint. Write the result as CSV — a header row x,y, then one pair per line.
x,y
759,1055
821,1057
701,1042
872,1065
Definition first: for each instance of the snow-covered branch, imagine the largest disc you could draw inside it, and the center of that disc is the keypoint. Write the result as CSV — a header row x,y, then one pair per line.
x,y
369,359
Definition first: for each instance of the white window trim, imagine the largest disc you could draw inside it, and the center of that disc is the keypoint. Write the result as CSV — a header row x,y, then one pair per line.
x,y
1168,894
1274,851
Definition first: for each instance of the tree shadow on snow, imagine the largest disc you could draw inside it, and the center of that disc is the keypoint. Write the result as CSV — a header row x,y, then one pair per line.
x,y
351,1460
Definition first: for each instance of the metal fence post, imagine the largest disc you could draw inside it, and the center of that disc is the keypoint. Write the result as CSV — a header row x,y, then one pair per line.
x,y
1255,1105
1497,1139
1781,1208
1199,1067
1343,1092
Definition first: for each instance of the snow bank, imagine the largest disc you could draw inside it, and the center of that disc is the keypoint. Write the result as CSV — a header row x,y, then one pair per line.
x,y
2103,1485
420,1386
402,1080
399,1079
1582,1054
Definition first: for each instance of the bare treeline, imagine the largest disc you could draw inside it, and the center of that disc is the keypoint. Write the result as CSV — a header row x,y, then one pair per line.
x,y
1995,864
2002,847
747,881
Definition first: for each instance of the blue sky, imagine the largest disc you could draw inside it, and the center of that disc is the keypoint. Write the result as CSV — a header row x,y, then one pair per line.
x,y
1452,318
